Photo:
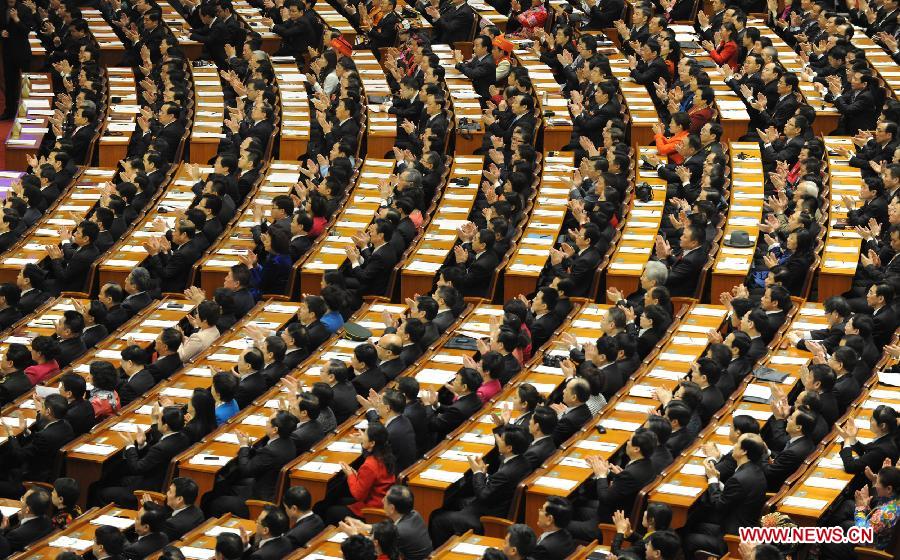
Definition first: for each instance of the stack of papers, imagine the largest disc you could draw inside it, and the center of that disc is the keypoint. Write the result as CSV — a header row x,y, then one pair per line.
x,y
120,523
95,449
210,460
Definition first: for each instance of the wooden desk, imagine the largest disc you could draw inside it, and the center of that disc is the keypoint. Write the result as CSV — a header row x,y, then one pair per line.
x,y
464,102
557,128
209,115
636,98
295,112
360,210
744,214
417,275
32,121
70,208
123,108
381,127
543,227
81,528
638,236
204,536
111,48
842,246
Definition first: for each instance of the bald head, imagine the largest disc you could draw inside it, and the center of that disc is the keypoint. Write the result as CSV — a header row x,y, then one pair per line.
x,y
389,346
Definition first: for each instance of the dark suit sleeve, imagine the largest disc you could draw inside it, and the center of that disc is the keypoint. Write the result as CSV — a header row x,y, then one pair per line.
x,y
154,458
726,499
260,463
616,494
487,487
70,270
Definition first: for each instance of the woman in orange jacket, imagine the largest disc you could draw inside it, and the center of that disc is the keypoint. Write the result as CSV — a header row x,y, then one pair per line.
x,y
679,128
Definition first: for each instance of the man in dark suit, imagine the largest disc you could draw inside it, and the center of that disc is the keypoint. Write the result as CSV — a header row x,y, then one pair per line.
x,y
785,104
16,23
879,149
618,493
413,540
684,270
788,438
82,135
295,32
344,128
605,12
443,419
651,68
481,68
148,527
492,494
311,310
238,281
251,383
522,110
541,426
736,503
369,269
213,35
94,316
172,268
555,541
477,264
388,409
9,299
788,150
256,475
147,457
137,286
880,298
306,524
68,333
301,226
33,450
857,107
453,23
184,515
590,119
36,509
545,321
168,361
369,376
79,412
337,375
137,379
30,277
269,540
573,411
71,264
14,383
308,432
384,33
273,349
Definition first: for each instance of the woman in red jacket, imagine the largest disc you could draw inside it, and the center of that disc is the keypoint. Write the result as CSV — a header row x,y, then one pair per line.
x,y
727,51
701,112
679,128
368,485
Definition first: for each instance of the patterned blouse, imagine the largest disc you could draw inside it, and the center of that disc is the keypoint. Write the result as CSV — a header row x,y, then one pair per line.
x,y
881,519
63,517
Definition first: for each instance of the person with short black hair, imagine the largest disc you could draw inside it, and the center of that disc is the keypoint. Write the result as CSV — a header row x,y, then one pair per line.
x,y
229,547
443,419
269,541
370,267
94,315
789,438
476,261
9,299
206,330
147,456
358,547
185,516
306,524
137,379
109,542
34,522
68,331
15,382
71,264
64,496
30,281
170,264
493,494
148,527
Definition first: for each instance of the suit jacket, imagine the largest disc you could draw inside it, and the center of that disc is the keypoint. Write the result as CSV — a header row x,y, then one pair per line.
x,y
477,275
72,271
570,423
783,150
243,301
273,373
846,389
494,493
173,270
449,417
619,491
779,113
274,549
885,324
787,461
443,320
307,435
539,451
375,272
861,455
684,272
316,334
740,500
582,269
556,545
371,379
37,453
93,335
26,533
9,317
679,441
145,546
147,467
81,141
70,350
263,463
135,303
344,403
392,368
414,542
164,367
542,329
135,387
418,418
13,386
482,72
403,441
177,525
80,416
455,24
647,74
31,300
250,388
305,530
858,111
348,132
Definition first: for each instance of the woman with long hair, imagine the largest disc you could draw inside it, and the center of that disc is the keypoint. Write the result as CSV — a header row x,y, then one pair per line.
x,y
370,483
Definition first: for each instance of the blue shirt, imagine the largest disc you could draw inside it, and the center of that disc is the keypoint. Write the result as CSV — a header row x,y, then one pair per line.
x,y
333,320
225,411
